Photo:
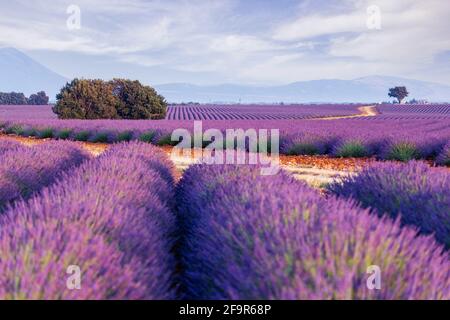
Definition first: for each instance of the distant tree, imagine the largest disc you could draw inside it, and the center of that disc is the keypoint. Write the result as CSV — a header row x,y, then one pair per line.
x,y
13,98
86,99
39,98
136,101
400,93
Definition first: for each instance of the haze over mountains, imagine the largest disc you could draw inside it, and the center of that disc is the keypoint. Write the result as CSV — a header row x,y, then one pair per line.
x,y
23,74
20,73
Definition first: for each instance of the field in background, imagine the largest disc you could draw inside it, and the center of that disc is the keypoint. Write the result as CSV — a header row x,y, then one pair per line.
x,y
387,132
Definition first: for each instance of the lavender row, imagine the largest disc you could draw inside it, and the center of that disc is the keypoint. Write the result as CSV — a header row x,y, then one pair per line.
x,y
111,218
26,170
343,138
210,112
245,236
8,145
258,112
417,194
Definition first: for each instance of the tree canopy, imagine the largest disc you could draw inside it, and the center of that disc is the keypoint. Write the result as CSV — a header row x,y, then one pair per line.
x,y
116,99
400,93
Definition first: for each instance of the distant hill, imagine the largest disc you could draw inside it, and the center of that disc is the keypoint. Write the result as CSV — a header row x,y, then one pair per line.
x,y
21,73
367,89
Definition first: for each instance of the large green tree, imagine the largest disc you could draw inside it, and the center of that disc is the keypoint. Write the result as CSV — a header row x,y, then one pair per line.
x,y
116,99
86,99
136,101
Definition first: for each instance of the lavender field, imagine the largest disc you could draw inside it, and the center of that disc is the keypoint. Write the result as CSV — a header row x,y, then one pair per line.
x,y
404,132
225,159
221,232
138,228
226,232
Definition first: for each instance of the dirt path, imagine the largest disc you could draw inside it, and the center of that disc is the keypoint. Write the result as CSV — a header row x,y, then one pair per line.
x,y
367,111
315,170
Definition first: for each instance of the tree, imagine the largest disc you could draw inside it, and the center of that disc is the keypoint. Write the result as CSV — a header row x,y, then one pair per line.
x,y
39,98
86,99
13,98
399,93
116,99
136,101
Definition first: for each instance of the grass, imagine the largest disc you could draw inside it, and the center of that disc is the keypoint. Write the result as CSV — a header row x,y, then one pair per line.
x,y
352,149
403,151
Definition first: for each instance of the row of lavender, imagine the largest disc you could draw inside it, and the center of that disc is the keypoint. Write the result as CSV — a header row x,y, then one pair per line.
x,y
258,112
246,236
209,112
24,171
111,217
385,139
226,232
413,111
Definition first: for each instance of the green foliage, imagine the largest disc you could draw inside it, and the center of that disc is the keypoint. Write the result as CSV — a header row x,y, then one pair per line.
x,y
13,98
352,149
116,99
303,149
400,93
136,101
45,133
125,136
101,137
86,99
147,137
29,132
82,136
39,98
15,129
166,140
403,151
64,134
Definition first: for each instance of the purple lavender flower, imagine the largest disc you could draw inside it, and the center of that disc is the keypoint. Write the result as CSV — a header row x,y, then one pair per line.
x,y
246,236
123,198
416,193
444,156
24,171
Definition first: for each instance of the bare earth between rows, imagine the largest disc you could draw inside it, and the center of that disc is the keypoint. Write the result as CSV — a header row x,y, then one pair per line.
x,y
315,170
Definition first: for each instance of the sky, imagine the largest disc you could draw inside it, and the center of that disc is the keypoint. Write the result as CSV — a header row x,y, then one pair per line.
x,y
232,41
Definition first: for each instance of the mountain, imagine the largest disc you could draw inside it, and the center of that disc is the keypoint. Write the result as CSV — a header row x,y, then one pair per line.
x,y
367,89
20,73
23,74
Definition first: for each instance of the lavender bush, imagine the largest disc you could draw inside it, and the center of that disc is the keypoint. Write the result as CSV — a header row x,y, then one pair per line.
x,y
416,193
444,156
246,236
122,197
35,259
24,171
8,145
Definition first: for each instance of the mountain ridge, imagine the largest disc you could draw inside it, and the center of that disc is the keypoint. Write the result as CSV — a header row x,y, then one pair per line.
x,y
23,74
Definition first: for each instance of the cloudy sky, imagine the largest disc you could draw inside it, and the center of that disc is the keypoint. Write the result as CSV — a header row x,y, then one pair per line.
x,y
233,41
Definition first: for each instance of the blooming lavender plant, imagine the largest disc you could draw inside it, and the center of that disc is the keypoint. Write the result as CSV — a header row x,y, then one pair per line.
x,y
35,258
444,156
24,171
8,145
246,236
122,197
416,193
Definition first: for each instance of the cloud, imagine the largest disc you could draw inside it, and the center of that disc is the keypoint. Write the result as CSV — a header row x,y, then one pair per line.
x,y
253,42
